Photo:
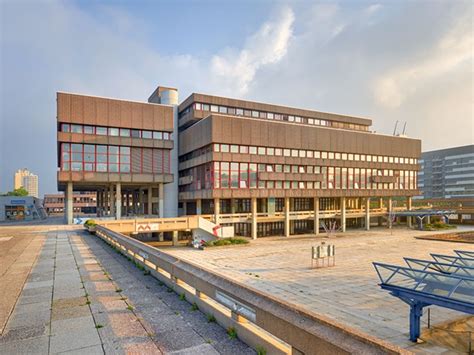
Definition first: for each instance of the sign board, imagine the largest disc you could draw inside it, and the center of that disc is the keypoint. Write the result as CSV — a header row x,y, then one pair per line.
x,y
323,252
17,202
146,227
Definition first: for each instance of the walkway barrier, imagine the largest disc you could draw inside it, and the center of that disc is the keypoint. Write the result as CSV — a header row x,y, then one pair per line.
x,y
260,320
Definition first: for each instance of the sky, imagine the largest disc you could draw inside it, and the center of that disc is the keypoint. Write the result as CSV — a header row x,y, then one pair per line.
x,y
406,61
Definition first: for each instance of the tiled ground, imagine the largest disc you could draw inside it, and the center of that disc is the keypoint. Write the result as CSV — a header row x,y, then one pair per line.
x,y
81,297
347,292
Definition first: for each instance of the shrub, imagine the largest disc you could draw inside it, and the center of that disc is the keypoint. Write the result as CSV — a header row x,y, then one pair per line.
x,y
90,223
226,241
232,333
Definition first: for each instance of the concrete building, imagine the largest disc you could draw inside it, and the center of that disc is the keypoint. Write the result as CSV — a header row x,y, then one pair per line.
x,y
20,208
29,181
447,173
119,149
84,203
264,169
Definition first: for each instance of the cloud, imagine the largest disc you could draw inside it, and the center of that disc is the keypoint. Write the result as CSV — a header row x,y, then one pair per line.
x,y
398,84
235,69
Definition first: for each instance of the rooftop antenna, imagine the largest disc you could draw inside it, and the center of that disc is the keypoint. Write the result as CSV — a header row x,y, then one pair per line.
x,y
404,127
395,129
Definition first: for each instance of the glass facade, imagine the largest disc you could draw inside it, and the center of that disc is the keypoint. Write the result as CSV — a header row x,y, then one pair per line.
x,y
113,159
235,111
114,132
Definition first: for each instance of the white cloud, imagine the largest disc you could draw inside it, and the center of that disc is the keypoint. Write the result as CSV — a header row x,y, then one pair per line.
x,y
397,84
234,70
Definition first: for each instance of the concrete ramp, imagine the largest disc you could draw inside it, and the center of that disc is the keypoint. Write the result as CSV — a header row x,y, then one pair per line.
x,y
208,231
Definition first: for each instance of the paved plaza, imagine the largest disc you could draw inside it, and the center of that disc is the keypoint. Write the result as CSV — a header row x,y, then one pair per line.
x,y
81,297
347,292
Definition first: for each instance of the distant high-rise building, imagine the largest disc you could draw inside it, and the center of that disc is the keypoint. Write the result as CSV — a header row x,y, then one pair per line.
x,y
447,173
26,179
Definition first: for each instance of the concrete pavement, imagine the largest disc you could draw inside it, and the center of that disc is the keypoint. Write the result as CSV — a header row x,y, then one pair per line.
x,y
83,297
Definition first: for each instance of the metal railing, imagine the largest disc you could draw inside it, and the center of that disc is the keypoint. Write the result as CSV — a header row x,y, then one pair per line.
x,y
261,320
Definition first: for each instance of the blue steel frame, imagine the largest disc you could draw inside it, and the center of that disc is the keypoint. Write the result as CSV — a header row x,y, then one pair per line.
x,y
417,300
453,260
465,254
443,268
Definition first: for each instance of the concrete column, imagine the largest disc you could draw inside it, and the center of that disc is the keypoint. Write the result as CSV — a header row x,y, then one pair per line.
x,y
287,216
97,202
217,210
343,214
381,202
161,204
69,198
409,207
232,206
389,205
141,208
367,213
254,217
316,215
112,201
118,201
185,208
198,207
149,201
175,238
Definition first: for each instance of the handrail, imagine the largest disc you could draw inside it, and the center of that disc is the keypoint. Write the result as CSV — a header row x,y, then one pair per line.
x,y
306,331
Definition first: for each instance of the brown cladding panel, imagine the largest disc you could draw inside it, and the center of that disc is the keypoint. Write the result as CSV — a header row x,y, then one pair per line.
x,y
92,110
286,135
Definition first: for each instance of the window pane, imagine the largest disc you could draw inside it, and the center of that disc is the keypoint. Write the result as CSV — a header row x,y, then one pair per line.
x,y
65,127
88,130
75,128
113,149
76,166
124,132
157,135
147,134
124,150
101,131
135,133
113,132
76,147
113,168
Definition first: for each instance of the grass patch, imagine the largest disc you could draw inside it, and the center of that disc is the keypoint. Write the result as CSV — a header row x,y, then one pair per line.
x,y
232,333
169,290
98,326
438,226
130,308
88,302
261,350
194,307
146,272
182,297
118,290
211,318
226,241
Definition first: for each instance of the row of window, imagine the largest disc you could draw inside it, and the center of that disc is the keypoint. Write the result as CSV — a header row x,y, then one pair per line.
x,y
113,159
302,153
272,116
114,131
245,175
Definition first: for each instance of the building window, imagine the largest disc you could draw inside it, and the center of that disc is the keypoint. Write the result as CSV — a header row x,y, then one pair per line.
x,y
65,127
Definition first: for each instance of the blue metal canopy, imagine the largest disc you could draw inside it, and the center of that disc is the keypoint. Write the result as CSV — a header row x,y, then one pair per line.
x,y
425,282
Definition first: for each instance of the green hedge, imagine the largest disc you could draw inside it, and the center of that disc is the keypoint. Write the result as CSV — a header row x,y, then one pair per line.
x,y
225,241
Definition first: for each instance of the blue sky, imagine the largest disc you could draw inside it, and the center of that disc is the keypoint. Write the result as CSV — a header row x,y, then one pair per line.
x,y
388,60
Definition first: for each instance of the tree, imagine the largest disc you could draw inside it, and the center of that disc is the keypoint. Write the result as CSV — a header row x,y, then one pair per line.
x,y
17,192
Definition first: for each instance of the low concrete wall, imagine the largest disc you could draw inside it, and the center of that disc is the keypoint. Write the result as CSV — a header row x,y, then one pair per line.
x,y
261,320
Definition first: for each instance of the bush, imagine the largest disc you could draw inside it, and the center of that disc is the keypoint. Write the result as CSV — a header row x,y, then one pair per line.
x,y
437,226
226,241
90,223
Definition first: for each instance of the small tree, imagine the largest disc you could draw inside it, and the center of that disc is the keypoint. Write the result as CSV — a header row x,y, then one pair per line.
x,y
17,192
330,228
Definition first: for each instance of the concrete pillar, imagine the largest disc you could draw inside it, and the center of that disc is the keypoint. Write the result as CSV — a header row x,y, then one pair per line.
x,y
287,216
149,201
367,213
69,206
381,202
232,206
217,210
316,215
292,208
185,208
141,208
389,205
198,207
161,204
112,201
409,207
97,203
175,238
254,217
343,214
118,201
